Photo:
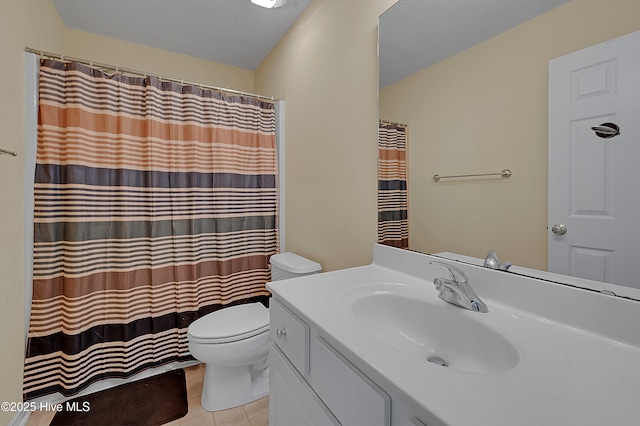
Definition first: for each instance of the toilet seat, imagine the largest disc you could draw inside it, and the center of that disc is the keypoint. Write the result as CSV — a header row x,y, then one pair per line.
x,y
230,324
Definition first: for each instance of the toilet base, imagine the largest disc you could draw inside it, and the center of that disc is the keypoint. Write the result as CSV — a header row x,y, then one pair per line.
x,y
231,386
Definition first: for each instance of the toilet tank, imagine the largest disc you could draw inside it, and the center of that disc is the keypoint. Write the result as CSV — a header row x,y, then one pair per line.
x,y
290,265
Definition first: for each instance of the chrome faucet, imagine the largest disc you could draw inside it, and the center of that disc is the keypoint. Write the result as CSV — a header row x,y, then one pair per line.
x,y
492,262
457,291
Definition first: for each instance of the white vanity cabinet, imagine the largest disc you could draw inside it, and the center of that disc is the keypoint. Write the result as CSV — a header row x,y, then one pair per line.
x,y
353,347
311,383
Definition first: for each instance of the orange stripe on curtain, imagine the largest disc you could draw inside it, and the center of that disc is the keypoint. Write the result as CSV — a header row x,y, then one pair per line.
x,y
393,222
155,203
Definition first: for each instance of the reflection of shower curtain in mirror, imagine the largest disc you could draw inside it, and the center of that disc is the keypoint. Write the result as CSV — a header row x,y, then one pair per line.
x,y
393,224
155,204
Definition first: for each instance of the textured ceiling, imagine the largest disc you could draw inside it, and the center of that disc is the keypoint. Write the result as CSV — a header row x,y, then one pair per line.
x,y
415,34
232,32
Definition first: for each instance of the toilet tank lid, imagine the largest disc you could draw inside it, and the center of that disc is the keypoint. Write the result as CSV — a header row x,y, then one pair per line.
x,y
291,262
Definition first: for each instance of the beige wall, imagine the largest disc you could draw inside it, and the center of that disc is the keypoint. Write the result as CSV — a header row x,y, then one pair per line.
x,y
483,110
116,52
21,22
36,24
326,70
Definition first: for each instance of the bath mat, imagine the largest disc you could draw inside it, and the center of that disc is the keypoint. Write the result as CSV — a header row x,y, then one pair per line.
x,y
152,401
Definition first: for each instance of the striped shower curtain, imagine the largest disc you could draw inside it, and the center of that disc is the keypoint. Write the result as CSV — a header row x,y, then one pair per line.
x,y
155,204
393,223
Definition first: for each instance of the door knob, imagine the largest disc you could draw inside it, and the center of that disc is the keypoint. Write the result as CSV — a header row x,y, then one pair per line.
x,y
559,229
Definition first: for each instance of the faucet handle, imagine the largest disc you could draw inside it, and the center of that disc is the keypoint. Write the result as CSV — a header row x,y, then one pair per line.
x,y
456,273
492,262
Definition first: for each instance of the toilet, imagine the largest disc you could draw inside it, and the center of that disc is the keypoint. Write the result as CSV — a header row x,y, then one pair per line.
x,y
233,342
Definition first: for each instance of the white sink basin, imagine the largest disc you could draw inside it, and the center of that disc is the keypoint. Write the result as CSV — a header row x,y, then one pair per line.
x,y
435,331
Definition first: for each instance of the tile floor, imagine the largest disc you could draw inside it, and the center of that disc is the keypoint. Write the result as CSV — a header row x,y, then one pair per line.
x,y
253,414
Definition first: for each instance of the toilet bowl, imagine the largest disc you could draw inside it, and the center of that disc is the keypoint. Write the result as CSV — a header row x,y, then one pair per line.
x,y
233,342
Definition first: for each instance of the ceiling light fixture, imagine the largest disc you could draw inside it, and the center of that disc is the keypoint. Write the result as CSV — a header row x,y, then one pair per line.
x,y
269,4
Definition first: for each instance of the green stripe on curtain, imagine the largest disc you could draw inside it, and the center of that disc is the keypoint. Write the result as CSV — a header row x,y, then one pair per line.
x,y
393,223
155,204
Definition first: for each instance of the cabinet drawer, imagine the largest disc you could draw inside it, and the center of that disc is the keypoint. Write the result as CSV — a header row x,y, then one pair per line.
x,y
350,395
291,335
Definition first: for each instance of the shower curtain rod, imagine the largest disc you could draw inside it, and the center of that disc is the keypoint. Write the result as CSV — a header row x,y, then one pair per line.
x,y
122,70
393,123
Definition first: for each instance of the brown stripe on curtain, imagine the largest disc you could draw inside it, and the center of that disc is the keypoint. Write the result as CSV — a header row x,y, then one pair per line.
x,y
393,223
155,204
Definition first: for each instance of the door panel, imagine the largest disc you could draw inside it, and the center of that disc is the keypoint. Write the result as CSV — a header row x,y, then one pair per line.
x,y
594,181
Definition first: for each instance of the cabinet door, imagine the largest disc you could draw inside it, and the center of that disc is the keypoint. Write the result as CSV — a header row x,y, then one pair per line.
x,y
291,402
349,394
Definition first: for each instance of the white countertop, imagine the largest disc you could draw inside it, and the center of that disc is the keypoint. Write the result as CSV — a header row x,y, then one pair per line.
x,y
579,352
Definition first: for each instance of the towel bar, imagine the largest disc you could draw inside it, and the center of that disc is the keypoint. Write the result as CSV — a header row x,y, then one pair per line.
x,y
506,174
4,151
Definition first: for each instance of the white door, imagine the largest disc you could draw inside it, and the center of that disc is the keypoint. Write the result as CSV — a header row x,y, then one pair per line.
x,y
594,182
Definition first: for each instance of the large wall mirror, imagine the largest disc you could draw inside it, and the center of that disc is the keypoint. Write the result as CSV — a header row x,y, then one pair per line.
x,y
470,79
